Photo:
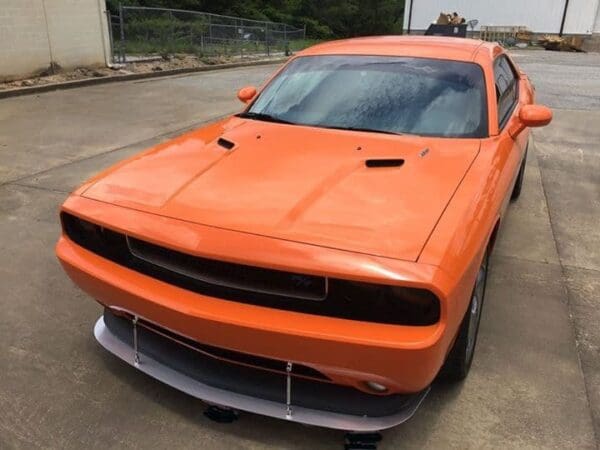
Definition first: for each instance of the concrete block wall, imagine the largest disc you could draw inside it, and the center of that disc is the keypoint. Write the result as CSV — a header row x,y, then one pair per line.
x,y
35,33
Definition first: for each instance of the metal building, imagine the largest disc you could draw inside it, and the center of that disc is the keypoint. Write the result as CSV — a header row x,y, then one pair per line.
x,y
569,17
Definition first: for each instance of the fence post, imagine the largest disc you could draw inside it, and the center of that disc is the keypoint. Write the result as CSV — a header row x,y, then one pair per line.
x,y
267,38
240,34
172,44
110,35
121,23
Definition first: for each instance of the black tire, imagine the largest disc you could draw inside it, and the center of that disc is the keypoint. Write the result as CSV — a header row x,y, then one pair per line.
x,y
519,183
460,358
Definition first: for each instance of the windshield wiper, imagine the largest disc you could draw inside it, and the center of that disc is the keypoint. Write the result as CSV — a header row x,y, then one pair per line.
x,y
369,130
263,117
269,118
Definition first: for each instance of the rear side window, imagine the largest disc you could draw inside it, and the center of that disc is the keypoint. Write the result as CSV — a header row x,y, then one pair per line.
x,y
506,89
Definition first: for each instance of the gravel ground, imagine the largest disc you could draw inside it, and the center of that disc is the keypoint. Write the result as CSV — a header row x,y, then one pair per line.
x,y
148,64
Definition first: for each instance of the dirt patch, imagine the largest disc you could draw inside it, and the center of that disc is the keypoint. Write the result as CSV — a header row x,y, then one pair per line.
x,y
55,74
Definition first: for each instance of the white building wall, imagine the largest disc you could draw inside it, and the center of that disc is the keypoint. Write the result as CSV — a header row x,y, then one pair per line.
x,y
581,16
540,16
34,33
597,24
23,37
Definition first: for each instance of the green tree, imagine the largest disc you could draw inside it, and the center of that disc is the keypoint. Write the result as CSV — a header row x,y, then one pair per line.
x,y
323,19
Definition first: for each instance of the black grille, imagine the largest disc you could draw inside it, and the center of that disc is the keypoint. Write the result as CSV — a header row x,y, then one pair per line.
x,y
258,286
228,275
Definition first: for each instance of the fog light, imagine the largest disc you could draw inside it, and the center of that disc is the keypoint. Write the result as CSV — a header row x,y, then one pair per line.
x,y
377,387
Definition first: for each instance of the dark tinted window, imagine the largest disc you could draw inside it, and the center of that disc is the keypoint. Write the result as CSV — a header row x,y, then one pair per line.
x,y
381,93
506,89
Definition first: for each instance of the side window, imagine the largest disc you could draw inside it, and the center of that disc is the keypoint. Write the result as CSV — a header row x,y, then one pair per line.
x,y
507,86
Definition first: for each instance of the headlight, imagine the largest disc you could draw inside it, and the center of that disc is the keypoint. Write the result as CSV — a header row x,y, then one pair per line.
x,y
387,304
93,237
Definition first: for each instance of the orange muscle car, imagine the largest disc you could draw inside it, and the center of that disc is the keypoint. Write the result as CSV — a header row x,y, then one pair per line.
x,y
321,256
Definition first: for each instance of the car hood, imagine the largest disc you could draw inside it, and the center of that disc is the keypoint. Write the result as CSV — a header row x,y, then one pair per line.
x,y
298,183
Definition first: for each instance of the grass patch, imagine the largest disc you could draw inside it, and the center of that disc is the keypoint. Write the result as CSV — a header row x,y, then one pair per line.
x,y
168,48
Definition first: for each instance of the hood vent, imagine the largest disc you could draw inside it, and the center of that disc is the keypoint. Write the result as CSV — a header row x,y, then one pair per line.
x,y
384,162
225,143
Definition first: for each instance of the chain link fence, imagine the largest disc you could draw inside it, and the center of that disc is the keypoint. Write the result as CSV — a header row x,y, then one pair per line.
x,y
138,32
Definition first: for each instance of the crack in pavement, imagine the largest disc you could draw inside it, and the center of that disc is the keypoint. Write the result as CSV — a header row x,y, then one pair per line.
x,y
40,188
570,304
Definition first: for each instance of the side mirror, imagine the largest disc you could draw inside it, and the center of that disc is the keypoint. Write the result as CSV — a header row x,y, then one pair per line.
x,y
246,94
530,116
535,115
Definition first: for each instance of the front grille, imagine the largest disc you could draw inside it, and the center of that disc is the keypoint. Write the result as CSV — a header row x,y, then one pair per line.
x,y
258,286
228,275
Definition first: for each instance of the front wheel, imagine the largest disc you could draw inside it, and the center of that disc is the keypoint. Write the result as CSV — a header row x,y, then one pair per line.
x,y
459,360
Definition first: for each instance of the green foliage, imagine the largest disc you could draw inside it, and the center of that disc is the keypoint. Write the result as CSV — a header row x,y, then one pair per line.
x,y
324,19
163,34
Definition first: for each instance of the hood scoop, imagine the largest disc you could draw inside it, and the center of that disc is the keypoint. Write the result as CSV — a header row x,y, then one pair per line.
x,y
384,162
225,143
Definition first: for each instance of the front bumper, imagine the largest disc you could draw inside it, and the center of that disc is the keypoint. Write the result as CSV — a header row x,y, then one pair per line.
x,y
405,359
247,389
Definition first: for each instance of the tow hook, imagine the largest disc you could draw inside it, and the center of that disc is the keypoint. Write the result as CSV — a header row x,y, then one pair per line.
x,y
362,441
221,414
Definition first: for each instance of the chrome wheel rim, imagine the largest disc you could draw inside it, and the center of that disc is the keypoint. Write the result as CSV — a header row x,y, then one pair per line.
x,y
475,309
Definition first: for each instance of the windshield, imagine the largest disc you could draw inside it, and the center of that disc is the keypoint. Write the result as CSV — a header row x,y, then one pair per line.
x,y
378,93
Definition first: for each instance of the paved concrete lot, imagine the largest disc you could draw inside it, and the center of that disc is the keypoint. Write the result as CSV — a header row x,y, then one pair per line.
x,y
535,382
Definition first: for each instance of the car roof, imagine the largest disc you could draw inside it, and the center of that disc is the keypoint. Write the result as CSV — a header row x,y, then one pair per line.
x,y
459,49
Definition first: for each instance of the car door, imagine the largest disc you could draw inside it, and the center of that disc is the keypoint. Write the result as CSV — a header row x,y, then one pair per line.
x,y
510,93
512,142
